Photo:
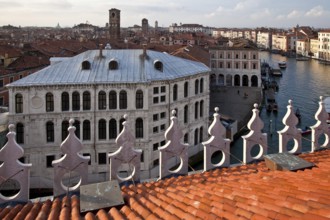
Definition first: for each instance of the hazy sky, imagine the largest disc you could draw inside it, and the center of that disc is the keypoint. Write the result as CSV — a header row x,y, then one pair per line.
x,y
215,13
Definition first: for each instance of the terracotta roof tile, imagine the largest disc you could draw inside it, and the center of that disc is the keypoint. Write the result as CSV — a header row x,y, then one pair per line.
x,y
247,192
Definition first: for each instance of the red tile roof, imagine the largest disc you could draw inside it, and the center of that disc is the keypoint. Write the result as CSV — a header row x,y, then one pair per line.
x,y
243,192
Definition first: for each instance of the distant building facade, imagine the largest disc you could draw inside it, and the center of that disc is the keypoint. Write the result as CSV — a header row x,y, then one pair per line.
x,y
114,24
324,45
235,66
97,88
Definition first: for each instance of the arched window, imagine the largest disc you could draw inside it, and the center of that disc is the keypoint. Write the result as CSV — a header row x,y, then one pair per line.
x,y
112,129
86,100
186,138
65,101
221,80
229,79
50,131
245,80
102,100
112,100
49,102
201,109
121,126
237,80
122,100
213,80
196,86
85,65
186,89
139,99
77,125
158,65
201,130
20,133
65,132
19,103
196,109
75,101
86,130
139,128
102,129
185,114
201,86
196,137
113,65
175,92
254,81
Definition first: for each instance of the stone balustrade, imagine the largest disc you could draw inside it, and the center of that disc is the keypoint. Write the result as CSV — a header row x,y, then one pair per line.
x,y
73,161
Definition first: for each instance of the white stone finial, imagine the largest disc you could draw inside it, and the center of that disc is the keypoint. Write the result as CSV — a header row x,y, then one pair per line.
x,y
171,149
13,169
126,154
216,109
254,137
290,131
71,122
71,161
217,142
173,113
321,127
11,128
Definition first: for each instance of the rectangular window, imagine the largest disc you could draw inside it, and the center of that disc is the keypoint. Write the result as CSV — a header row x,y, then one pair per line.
x,y
155,146
156,162
49,160
1,83
156,90
87,154
162,115
1,101
162,127
163,143
11,79
155,117
142,157
162,98
155,130
102,158
156,100
162,89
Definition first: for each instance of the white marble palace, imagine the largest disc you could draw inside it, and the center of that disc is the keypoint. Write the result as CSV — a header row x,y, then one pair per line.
x,y
97,88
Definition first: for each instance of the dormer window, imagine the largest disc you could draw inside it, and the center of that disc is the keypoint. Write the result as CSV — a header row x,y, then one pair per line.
x,y
113,65
86,65
158,65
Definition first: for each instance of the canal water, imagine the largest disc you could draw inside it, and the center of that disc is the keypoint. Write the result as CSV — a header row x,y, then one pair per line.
x,y
303,82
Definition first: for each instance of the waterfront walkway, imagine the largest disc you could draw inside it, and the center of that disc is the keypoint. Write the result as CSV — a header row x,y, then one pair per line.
x,y
235,102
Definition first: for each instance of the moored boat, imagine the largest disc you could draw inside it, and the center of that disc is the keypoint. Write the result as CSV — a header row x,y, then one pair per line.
x,y
282,64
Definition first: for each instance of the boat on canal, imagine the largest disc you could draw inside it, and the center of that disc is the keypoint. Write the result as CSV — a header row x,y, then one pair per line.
x,y
271,104
282,64
276,72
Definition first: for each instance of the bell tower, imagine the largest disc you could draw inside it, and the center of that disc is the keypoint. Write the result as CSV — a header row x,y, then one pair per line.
x,y
114,23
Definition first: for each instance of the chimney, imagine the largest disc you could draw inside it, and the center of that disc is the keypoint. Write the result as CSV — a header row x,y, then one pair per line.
x,y
101,47
144,50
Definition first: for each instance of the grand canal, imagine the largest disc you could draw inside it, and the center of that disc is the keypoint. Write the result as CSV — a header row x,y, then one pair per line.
x,y
303,82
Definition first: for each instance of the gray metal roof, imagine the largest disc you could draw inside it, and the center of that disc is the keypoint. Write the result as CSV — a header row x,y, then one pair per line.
x,y
132,68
